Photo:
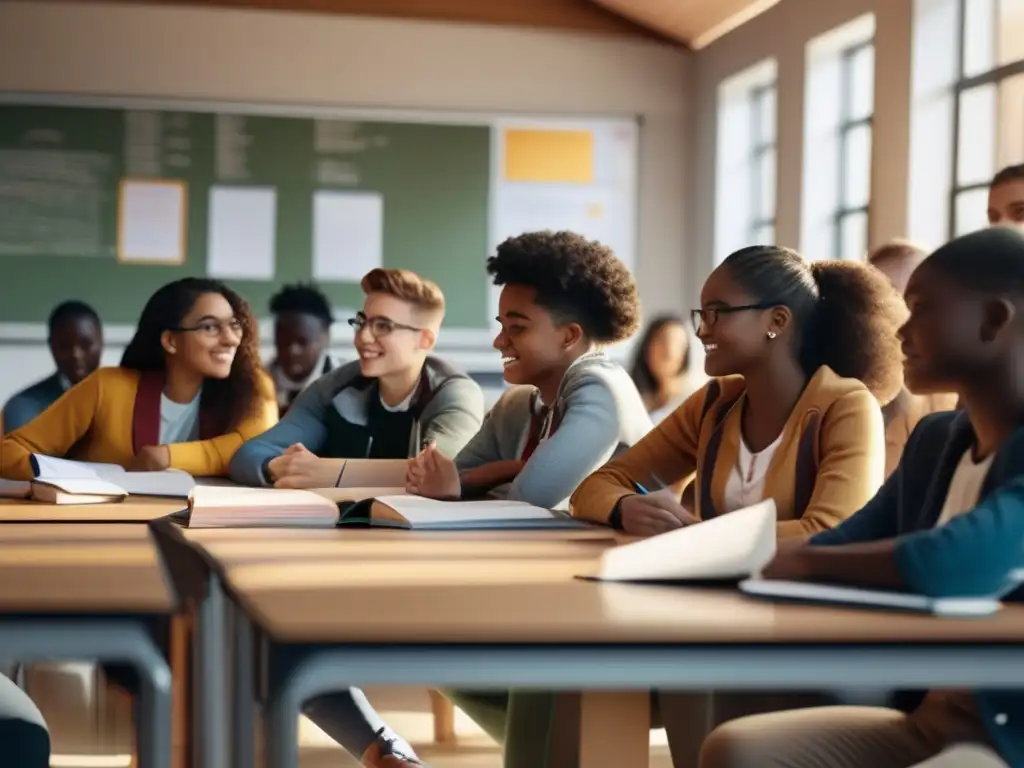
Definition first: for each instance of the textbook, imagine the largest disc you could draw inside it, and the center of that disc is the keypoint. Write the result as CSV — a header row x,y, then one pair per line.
x,y
211,507
804,591
732,546
74,490
52,471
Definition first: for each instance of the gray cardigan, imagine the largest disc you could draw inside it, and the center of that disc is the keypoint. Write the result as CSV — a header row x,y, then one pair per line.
x,y
448,408
598,413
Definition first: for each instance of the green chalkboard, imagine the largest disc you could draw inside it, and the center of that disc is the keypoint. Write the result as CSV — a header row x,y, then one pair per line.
x,y
60,168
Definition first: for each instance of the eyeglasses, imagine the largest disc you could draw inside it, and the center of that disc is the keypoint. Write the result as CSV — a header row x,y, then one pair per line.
x,y
378,326
214,329
707,318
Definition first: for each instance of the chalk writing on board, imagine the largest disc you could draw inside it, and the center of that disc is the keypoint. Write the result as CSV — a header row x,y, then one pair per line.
x,y
51,202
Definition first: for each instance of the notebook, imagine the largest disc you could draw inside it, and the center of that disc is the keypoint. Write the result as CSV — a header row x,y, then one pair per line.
x,y
419,513
211,506
76,490
169,483
870,598
728,547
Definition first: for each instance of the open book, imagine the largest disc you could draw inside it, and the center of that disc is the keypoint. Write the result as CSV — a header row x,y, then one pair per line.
x,y
90,478
870,598
211,507
729,547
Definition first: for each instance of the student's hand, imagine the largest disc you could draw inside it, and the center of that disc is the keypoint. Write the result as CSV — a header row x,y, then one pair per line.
x,y
151,458
789,564
432,474
277,468
653,513
493,473
300,468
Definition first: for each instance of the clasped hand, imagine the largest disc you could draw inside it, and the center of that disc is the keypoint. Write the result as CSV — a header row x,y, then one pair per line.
x,y
298,467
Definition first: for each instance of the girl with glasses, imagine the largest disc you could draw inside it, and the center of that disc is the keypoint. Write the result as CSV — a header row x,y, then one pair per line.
x,y
189,391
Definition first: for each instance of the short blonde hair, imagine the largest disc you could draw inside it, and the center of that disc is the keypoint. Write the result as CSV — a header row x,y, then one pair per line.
x,y
425,295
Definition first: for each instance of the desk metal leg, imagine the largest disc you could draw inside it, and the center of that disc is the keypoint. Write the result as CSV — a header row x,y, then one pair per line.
x,y
210,717
121,640
281,729
243,710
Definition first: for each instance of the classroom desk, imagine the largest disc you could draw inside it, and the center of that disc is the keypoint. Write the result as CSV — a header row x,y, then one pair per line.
x,y
498,622
140,509
78,591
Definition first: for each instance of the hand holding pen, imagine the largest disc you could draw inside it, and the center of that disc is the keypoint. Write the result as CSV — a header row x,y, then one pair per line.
x,y
649,513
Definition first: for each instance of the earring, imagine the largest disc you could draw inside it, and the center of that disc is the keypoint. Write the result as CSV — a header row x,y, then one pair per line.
x,y
771,335
172,350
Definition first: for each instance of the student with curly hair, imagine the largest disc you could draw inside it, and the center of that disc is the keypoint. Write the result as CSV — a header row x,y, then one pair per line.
x,y
189,391
1006,197
302,334
563,298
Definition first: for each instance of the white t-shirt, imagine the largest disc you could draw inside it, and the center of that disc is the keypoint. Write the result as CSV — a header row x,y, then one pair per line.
x,y
179,422
402,406
965,487
745,485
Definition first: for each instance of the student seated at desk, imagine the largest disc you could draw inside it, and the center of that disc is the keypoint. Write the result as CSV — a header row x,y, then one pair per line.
x,y
76,343
668,365
949,522
302,334
802,354
897,260
571,407
188,392
24,737
382,406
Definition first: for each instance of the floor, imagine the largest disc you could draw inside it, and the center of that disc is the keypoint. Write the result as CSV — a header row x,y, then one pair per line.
x,y
94,732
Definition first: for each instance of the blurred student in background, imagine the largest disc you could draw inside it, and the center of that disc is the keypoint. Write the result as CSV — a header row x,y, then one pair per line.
x,y
897,260
76,343
302,336
1006,197
668,365
188,392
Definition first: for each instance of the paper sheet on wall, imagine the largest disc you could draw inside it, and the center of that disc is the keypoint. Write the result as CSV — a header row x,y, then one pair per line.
x,y
242,236
348,235
151,222
531,207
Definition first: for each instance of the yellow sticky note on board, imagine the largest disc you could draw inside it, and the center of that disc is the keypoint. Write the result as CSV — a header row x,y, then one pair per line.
x,y
555,156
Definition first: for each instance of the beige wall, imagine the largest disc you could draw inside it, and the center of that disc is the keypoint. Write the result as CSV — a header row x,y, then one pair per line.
x,y
783,32
273,57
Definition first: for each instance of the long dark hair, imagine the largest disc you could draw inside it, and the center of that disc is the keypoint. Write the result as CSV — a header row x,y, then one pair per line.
x,y
228,401
640,371
846,313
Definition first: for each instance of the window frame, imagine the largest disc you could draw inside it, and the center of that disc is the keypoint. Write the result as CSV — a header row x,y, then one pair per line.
x,y
964,83
848,124
759,148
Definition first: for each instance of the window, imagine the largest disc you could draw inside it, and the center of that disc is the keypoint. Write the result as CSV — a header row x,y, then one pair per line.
x,y
839,102
762,164
988,116
745,173
856,105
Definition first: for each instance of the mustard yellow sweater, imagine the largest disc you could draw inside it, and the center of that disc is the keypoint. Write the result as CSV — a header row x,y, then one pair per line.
x,y
95,421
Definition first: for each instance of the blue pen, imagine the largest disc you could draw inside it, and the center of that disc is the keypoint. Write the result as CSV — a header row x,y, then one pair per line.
x,y
640,489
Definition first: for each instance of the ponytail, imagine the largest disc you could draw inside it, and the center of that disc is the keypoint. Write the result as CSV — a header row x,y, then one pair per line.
x,y
853,327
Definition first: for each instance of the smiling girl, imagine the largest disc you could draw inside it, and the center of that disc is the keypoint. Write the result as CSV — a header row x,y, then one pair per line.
x,y
188,392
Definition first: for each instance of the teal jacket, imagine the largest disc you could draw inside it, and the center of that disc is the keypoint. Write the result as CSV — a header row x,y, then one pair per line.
x,y
979,553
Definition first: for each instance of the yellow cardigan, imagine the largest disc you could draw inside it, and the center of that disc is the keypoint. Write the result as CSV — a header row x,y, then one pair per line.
x,y
94,421
834,436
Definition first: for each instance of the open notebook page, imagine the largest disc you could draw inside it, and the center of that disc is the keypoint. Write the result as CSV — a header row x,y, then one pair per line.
x,y
422,511
170,482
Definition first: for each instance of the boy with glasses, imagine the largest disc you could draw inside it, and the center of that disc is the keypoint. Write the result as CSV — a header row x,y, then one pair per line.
x,y
395,398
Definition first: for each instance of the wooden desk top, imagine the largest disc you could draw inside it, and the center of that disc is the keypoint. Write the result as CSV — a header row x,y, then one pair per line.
x,y
81,568
505,600
139,509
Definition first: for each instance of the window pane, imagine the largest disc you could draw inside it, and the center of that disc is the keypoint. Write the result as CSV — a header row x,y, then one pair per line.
x,y
862,83
853,235
976,144
857,167
971,211
1010,150
1010,31
979,36
766,114
764,234
764,203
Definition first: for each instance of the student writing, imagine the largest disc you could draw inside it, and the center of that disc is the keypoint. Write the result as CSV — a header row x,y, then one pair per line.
x,y
571,407
384,405
188,392
802,354
949,522
76,344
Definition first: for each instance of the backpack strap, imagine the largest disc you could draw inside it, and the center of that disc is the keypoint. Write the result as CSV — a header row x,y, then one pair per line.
x,y
806,464
707,505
